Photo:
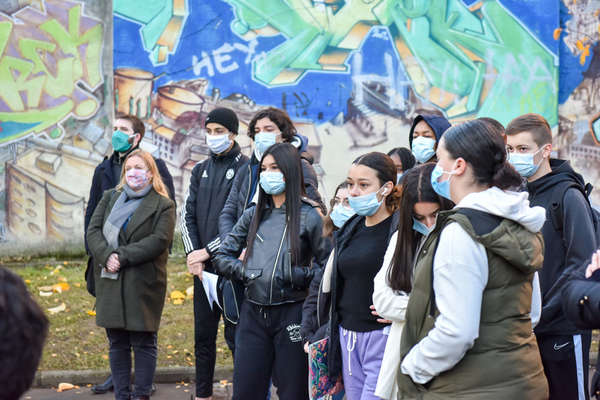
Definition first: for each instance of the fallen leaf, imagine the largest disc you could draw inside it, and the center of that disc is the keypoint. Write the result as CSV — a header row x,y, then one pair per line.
x,y
177,295
224,382
178,302
46,294
77,284
57,309
104,356
28,281
56,270
91,313
66,386
61,287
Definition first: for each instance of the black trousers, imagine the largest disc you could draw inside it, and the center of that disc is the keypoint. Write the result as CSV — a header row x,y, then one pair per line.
x,y
144,345
566,360
268,343
206,325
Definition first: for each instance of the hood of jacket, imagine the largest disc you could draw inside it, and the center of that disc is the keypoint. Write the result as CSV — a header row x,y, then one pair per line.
x,y
300,142
438,123
520,242
561,172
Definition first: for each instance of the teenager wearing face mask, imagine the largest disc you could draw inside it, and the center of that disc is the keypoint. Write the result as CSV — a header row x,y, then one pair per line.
x,y
425,134
468,331
128,132
569,239
357,340
404,160
129,237
419,207
266,128
315,311
210,183
283,238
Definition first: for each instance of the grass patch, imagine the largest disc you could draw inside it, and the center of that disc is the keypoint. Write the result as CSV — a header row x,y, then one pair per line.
x,y
74,340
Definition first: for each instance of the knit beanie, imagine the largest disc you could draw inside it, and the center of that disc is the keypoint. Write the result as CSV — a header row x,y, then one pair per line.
x,y
225,117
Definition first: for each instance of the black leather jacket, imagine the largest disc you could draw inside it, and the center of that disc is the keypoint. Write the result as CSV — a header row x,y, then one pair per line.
x,y
268,275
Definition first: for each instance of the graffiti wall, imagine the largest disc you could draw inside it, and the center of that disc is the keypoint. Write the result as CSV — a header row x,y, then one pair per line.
x,y
55,109
351,73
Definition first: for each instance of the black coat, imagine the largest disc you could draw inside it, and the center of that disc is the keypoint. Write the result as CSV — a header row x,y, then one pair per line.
x,y
268,273
209,187
565,250
104,179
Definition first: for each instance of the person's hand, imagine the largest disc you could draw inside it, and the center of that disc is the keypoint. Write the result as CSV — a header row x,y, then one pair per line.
x,y
306,347
113,264
197,256
195,267
380,320
594,265
241,257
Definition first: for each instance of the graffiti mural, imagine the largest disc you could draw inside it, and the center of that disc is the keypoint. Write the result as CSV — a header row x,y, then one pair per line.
x,y
54,111
352,74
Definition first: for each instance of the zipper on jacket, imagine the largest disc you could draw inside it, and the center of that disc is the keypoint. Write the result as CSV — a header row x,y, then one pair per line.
x,y
249,188
319,301
275,265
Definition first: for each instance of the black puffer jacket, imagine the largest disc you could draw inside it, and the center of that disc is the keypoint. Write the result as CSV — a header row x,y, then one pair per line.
x,y
243,189
268,274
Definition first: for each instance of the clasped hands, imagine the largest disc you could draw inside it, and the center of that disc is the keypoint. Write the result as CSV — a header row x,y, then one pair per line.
x,y
113,264
195,262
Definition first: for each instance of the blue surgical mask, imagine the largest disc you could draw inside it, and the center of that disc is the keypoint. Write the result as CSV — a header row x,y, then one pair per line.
x,y
423,148
398,177
365,205
421,227
120,141
272,182
262,141
340,214
441,188
524,163
218,143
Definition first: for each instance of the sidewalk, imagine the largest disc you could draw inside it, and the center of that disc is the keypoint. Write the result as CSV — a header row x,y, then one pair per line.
x,y
164,391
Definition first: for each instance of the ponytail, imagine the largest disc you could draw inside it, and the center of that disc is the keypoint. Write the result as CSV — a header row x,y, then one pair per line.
x,y
506,177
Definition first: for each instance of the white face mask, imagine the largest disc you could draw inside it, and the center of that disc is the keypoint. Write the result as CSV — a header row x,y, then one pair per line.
x,y
218,143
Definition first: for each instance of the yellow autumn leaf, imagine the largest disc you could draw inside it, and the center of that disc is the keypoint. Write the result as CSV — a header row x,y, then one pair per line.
x,y
28,281
557,33
91,313
55,310
177,297
178,302
61,287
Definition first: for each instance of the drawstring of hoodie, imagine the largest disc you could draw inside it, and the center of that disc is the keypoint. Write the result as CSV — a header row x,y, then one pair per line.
x,y
350,345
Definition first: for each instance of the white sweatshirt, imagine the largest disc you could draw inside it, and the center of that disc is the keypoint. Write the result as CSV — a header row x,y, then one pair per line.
x,y
460,274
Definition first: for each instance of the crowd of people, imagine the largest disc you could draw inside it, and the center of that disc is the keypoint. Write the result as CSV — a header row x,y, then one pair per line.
x,y
463,267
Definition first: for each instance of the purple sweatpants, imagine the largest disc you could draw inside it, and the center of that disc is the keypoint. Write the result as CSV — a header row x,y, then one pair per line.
x,y
362,353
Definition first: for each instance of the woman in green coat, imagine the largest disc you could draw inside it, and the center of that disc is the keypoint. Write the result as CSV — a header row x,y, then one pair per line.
x,y
129,237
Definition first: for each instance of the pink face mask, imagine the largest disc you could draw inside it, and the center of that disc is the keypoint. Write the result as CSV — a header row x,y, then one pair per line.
x,y
136,178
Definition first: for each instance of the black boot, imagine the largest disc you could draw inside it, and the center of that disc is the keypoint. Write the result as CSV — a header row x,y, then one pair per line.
x,y
103,387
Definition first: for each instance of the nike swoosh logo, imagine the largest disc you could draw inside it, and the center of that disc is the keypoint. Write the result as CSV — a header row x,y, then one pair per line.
x,y
558,347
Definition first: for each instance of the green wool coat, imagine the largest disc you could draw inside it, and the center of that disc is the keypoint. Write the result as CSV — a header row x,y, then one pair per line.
x,y
135,300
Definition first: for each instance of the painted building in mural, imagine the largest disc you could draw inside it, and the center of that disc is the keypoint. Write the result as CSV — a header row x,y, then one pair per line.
x,y
351,74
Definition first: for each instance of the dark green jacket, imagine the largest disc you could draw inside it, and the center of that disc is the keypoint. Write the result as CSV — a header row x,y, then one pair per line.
x,y
504,362
135,300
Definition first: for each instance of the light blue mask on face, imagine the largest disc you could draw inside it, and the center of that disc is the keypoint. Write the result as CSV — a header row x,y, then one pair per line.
x,y
423,148
262,141
524,163
365,205
441,188
421,227
340,214
272,182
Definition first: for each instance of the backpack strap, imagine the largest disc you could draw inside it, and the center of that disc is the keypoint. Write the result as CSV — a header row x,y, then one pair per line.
x,y
558,195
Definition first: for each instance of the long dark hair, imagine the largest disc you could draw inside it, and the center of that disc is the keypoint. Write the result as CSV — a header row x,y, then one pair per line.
x,y
483,148
385,169
416,188
406,157
288,160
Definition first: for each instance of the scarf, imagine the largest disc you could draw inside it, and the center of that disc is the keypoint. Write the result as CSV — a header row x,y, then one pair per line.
x,y
128,201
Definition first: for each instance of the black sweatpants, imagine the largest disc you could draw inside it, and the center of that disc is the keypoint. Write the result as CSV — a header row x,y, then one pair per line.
x,y
268,342
566,360
206,325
